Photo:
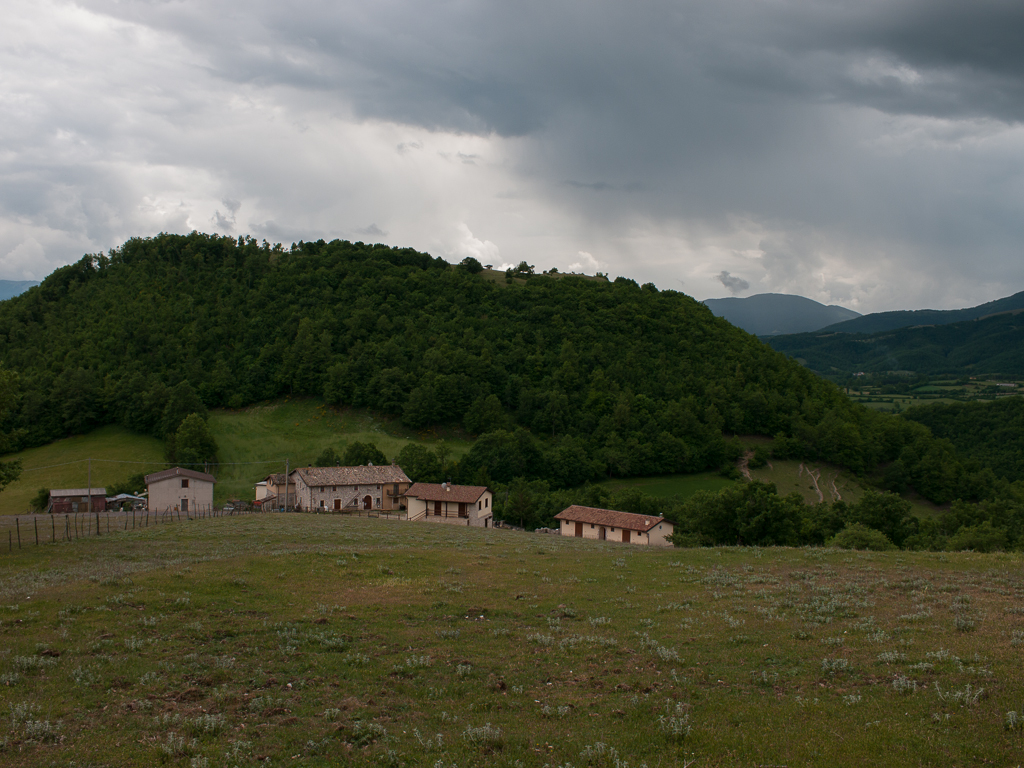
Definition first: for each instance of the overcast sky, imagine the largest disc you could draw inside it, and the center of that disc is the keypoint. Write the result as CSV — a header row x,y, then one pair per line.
x,y
868,153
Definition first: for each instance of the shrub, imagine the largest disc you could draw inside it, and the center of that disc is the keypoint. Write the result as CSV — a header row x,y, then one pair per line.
x,y
859,536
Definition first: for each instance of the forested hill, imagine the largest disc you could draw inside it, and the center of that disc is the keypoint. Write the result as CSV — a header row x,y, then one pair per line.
x,y
565,378
877,322
992,345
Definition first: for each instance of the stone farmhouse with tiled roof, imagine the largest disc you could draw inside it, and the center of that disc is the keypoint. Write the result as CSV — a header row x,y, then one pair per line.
x,y
447,503
337,488
611,525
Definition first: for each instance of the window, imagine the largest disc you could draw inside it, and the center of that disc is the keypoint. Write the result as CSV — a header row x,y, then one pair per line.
x,y
591,525
184,483
487,501
479,505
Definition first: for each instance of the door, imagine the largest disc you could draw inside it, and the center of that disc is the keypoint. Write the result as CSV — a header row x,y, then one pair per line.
x,y
437,507
184,505
602,534
337,503
579,530
367,502
625,536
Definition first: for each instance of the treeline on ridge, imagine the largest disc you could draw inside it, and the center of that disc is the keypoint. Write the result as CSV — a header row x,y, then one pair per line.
x,y
565,380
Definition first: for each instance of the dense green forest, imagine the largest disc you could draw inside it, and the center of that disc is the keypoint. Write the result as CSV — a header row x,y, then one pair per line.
x,y
904,318
564,380
991,433
992,345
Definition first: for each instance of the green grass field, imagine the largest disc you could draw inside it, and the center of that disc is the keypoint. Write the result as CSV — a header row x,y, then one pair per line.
x,y
668,486
253,443
116,454
256,441
324,641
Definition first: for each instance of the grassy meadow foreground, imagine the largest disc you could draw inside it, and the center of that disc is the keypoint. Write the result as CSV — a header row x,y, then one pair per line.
x,y
308,640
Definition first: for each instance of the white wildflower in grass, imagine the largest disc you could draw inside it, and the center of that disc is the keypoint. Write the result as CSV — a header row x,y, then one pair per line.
x,y
364,733
331,714
967,696
675,722
892,657
851,699
903,684
486,737
833,667
541,640
1014,721
84,676
177,746
464,670
207,725
1017,638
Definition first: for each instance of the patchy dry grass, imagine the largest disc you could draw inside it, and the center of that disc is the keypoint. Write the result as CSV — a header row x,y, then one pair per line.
x,y
307,640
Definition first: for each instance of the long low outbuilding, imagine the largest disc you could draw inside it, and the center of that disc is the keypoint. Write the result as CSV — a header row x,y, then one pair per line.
x,y
70,500
612,525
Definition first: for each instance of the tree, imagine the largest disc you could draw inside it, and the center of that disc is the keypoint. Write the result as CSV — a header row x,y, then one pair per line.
x,y
193,444
328,458
420,464
359,454
41,501
471,265
182,401
9,470
485,415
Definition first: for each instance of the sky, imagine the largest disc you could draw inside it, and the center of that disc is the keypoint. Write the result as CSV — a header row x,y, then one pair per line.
x,y
868,154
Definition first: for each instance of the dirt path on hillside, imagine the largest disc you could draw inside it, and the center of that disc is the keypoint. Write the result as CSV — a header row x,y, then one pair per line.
x,y
743,465
814,474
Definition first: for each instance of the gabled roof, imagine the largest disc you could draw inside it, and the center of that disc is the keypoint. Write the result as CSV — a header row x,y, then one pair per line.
x,y
167,474
608,517
78,492
464,494
368,475
276,479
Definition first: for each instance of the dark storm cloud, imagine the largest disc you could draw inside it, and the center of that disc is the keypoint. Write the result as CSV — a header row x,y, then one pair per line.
x,y
732,283
821,143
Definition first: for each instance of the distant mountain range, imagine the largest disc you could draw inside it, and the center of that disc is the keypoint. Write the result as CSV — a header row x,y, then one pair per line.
x,y
11,288
771,314
890,321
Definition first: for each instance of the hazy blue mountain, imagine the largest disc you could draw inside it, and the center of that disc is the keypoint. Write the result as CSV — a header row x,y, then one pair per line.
x,y
770,314
890,321
11,288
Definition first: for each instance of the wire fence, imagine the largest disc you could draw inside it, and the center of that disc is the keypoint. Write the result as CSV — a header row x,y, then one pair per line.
x,y
34,530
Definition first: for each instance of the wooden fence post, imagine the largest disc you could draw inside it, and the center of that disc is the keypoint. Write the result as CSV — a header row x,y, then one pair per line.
x,y
97,523
53,530
17,523
35,524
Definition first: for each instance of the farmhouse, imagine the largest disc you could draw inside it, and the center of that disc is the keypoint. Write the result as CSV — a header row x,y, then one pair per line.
x,y
65,501
610,525
338,488
447,503
182,489
270,492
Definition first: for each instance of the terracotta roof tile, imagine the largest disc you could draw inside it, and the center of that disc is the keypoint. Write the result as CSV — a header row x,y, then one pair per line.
x,y
468,494
608,517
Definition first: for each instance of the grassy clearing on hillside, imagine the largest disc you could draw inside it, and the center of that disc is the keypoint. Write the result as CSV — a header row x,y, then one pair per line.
x,y
668,486
259,439
253,443
116,454
315,641
808,478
